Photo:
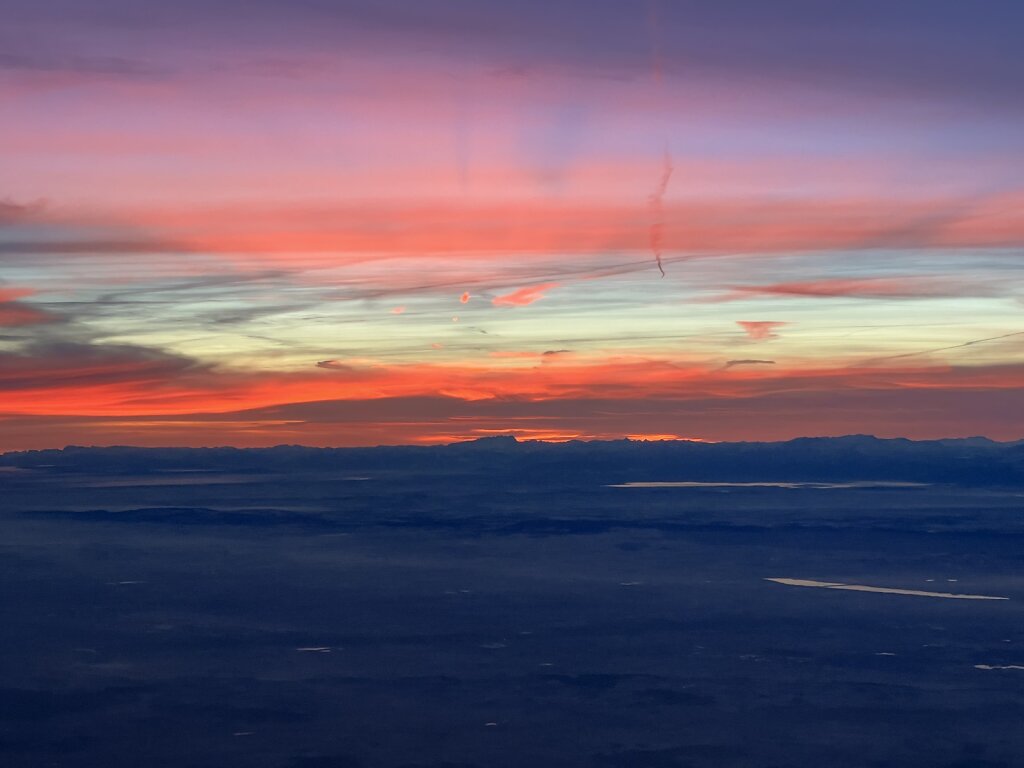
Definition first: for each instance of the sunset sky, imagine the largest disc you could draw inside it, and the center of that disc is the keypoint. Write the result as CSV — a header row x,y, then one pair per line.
x,y
354,222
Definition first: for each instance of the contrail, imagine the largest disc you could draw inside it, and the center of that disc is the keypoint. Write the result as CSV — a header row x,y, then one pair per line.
x,y
655,201
970,343
655,204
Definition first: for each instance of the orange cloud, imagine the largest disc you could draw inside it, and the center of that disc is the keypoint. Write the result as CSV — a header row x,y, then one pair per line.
x,y
96,380
339,233
603,400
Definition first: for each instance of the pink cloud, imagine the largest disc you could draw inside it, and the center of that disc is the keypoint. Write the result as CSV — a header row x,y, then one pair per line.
x,y
14,313
760,330
12,294
523,296
868,288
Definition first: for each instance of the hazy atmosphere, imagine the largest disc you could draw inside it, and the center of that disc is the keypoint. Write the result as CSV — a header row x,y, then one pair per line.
x,y
441,219
520,384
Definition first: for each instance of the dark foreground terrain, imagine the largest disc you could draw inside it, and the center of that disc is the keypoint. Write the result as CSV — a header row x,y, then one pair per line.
x,y
499,605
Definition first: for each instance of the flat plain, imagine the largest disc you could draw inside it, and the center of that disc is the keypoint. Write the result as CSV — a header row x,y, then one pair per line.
x,y
393,613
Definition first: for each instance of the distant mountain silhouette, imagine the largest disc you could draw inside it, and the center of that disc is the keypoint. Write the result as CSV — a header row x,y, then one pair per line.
x,y
975,460
494,442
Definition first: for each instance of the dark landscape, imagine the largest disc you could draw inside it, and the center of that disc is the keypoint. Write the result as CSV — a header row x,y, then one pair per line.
x,y
597,384
504,604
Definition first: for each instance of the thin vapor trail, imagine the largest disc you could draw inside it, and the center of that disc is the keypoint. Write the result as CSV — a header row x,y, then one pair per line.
x,y
655,203
970,343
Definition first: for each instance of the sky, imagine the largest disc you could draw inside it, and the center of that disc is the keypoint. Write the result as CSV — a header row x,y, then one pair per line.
x,y
360,222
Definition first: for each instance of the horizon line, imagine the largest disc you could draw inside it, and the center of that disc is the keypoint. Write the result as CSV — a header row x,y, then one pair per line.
x,y
515,439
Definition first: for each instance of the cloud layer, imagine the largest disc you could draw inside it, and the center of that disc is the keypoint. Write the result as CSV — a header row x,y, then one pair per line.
x,y
356,222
